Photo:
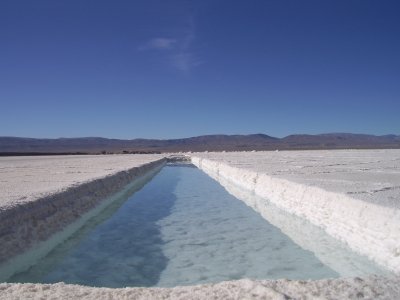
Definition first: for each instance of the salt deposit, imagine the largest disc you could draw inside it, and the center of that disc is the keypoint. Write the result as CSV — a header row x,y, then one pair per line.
x,y
28,178
354,195
48,195
327,249
356,288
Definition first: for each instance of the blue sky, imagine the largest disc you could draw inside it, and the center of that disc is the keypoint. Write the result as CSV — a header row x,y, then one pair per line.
x,y
171,69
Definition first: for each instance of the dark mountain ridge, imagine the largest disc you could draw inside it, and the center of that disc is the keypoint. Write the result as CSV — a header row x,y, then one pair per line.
x,y
219,142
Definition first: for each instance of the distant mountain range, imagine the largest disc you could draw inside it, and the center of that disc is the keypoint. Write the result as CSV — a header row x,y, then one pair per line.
x,y
18,145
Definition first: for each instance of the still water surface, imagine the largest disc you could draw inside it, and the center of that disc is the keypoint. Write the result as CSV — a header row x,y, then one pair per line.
x,y
181,228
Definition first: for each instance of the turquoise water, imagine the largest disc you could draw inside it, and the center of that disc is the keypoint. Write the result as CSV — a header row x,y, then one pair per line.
x,y
181,228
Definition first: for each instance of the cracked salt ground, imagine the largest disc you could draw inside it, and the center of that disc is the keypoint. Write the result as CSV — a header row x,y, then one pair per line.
x,y
182,228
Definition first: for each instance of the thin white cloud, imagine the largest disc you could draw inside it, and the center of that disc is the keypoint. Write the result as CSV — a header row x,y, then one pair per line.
x,y
185,61
179,50
158,43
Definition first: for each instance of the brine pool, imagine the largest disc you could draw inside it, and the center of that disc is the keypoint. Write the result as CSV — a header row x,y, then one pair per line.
x,y
184,228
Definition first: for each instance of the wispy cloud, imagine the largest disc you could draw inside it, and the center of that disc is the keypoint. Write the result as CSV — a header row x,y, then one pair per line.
x,y
185,61
185,58
159,43
178,50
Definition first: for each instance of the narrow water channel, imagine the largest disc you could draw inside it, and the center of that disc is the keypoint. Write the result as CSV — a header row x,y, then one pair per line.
x,y
181,228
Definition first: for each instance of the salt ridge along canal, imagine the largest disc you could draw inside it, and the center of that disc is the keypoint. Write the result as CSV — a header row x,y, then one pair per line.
x,y
353,195
182,228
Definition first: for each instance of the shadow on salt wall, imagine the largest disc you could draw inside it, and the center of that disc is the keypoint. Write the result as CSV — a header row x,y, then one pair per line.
x,y
120,247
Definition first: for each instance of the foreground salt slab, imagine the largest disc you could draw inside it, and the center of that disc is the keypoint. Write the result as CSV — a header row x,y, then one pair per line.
x,y
357,288
354,195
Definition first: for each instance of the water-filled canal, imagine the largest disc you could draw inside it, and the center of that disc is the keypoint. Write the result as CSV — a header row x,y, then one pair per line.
x,y
181,228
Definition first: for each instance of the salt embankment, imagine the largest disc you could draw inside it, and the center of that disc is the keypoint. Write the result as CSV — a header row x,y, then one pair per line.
x,y
355,288
354,195
42,196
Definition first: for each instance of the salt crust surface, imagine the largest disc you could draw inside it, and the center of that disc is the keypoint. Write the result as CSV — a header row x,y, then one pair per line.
x,y
354,195
369,175
25,179
42,183
354,288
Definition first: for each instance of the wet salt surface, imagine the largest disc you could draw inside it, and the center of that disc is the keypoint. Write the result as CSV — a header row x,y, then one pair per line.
x,y
182,228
